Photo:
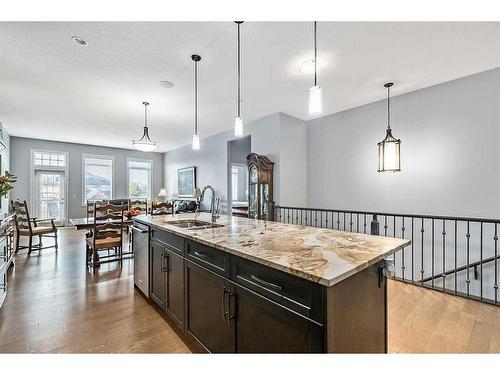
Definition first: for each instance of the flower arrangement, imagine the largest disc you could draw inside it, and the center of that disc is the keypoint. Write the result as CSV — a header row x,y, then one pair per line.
x,y
6,182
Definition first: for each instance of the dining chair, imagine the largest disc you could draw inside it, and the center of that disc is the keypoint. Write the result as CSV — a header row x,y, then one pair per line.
x,y
90,207
27,226
106,235
140,204
163,208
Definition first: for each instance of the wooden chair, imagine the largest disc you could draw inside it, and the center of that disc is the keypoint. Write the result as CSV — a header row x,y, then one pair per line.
x,y
106,234
138,204
90,207
29,227
164,208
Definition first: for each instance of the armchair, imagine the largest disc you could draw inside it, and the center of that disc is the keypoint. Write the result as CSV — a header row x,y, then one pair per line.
x,y
29,227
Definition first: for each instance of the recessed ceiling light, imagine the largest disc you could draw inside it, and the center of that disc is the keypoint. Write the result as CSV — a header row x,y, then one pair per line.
x,y
79,40
307,67
167,84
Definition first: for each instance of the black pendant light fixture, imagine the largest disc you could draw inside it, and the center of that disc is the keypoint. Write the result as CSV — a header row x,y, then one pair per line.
x,y
315,93
145,143
238,121
389,154
196,137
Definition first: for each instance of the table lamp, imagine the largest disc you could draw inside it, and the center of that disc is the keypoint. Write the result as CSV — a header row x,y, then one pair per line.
x,y
162,194
197,195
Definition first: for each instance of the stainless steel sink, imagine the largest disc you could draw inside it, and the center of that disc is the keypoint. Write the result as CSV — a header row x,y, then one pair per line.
x,y
192,224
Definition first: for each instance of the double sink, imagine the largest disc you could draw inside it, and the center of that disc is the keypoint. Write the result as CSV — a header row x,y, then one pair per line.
x,y
192,224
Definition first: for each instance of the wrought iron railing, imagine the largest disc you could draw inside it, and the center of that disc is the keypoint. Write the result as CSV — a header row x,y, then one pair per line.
x,y
457,255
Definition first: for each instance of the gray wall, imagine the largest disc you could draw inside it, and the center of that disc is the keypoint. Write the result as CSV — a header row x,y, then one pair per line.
x,y
450,139
280,137
20,166
238,150
212,159
5,153
293,161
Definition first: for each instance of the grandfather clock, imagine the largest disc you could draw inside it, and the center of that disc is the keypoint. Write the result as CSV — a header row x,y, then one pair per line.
x,y
260,186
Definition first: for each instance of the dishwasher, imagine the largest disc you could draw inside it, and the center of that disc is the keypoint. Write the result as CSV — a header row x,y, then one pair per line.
x,y
140,246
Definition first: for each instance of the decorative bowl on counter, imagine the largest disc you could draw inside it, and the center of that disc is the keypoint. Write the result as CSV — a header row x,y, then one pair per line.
x,y
129,214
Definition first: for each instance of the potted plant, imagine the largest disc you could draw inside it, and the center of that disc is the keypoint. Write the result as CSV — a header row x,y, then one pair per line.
x,y
6,183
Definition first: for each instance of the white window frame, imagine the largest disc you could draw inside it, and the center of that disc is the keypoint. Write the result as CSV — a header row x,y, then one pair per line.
x,y
103,157
241,165
139,160
34,168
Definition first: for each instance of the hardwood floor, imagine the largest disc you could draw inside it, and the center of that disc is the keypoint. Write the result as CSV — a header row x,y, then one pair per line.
x,y
427,321
55,305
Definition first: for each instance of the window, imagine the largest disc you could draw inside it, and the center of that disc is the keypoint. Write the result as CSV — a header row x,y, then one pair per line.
x,y
139,178
239,182
97,177
51,159
234,183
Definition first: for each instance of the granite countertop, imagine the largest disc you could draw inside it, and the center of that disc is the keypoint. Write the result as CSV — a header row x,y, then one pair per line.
x,y
324,256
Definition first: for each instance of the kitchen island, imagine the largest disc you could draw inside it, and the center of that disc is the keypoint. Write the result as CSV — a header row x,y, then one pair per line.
x,y
247,285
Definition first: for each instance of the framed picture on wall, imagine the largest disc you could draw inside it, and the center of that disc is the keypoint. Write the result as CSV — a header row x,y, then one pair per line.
x,y
186,182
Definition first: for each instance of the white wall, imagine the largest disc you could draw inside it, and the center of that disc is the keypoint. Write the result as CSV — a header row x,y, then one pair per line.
x,y
450,151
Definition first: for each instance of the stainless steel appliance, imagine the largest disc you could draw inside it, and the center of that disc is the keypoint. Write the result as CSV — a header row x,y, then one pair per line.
x,y
140,245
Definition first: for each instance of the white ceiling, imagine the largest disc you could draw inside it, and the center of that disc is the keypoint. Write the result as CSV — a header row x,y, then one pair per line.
x,y
53,89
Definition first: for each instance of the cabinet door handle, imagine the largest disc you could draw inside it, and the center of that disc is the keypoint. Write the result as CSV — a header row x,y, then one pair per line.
x,y
133,227
164,267
203,255
224,312
266,283
229,316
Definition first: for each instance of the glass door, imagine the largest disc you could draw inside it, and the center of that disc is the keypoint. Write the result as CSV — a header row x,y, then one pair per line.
x,y
252,193
49,195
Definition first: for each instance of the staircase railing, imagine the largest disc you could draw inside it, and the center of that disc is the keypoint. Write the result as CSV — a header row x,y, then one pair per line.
x,y
456,255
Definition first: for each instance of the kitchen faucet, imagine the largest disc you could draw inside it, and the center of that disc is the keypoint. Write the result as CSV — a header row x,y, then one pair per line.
x,y
214,204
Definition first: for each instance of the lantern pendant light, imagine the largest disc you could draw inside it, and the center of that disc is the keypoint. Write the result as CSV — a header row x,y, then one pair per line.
x,y
196,137
238,121
315,93
145,143
389,154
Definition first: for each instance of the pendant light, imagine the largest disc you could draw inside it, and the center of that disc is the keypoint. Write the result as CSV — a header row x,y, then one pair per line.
x,y
238,121
145,143
315,93
196,137
389,155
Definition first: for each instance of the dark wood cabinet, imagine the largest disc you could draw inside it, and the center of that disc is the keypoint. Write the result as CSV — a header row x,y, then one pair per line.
x,y
206,309
263,326
156,275
227,318
167,280
226,304
260,186
174,287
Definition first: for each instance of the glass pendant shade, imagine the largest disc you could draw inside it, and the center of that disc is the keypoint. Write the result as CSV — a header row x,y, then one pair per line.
x,y
145,143
196,142
238,127
315,100
389,155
